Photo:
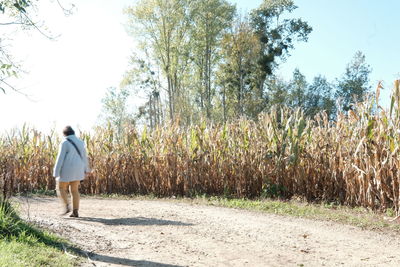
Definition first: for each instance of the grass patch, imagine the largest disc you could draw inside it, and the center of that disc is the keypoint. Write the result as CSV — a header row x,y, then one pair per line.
x,y
22,244
39,193
360,217
17,253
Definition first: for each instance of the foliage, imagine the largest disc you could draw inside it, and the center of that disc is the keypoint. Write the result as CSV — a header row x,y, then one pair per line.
x,y
277,34
354,84
211,20
17,15
115,113
238,75
22,244
298,90
277,92
162,27
213,63
18,12
353,161
14,6
319,97
312,98
142,80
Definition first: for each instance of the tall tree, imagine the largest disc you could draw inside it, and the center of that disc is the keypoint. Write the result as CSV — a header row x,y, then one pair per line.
x,y
115,113
319,97
354,84
276,33
143,81
211,19
210,66
298,90
238,71
162,26
277,92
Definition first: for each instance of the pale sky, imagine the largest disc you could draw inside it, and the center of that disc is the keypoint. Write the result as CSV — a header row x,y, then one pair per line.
x,y
68,77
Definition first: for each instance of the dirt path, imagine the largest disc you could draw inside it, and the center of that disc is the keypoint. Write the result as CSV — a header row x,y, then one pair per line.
x,y
163,233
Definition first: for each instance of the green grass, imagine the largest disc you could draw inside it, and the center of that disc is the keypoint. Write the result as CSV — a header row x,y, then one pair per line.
x,y
360,217
19,253
22,244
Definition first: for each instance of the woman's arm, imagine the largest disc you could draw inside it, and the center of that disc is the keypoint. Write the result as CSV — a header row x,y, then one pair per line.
x,y
60,159
85,160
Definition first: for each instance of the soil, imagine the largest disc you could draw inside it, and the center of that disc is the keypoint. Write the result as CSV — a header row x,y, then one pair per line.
x,y
117,232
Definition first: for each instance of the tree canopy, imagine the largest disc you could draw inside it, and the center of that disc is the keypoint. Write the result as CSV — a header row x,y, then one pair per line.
x,y
213,63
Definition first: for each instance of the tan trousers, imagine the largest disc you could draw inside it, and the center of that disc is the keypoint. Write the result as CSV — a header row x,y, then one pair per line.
x,y
62,192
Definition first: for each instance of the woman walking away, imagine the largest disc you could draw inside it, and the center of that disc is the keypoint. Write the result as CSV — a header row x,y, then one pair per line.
x,y
71,167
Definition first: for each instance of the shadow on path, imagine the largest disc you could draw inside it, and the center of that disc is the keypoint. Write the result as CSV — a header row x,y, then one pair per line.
x,y
133,221
127,262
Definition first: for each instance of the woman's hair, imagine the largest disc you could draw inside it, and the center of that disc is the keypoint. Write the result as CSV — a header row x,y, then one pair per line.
x,y
68,131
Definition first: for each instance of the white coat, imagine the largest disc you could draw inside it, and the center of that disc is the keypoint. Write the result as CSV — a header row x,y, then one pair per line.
x,y
69,165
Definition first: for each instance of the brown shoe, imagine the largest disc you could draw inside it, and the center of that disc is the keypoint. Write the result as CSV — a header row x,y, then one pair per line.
x,y
74,214
67,210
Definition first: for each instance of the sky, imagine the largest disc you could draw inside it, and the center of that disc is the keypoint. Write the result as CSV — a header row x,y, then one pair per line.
x,y
67,78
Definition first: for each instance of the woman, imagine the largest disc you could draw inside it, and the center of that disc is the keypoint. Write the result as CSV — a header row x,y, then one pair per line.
x,y
71,167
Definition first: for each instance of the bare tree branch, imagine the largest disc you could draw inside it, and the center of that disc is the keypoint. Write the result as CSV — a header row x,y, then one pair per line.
x,y
11,23
66,11
34,24
2,81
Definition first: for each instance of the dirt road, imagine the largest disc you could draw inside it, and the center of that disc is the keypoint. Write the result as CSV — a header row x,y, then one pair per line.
x,y
165,233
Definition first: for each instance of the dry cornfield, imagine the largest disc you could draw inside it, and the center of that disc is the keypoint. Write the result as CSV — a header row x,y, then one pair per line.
x,y
353,160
